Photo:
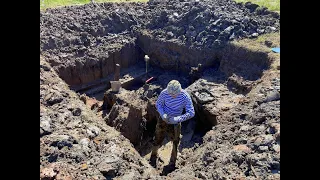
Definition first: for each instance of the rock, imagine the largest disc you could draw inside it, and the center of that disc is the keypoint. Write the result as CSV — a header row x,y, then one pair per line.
x,y
274,128
54,99
274,164
263,148
47,173
241,147
257,158
273,96
111,159
45,68
106,169
246,19
238,156
228,30
252,7
268,43
83,98
263,140
60,137
273,176
93,131
61,141
245,128
170,35
62,175
217,42
267,139
76,112
241,140
275,80
276,148
74,124
95,106
84,142
232,36
62,144
254,35
260,95
261,128
272,28
45,126
260,31
84,166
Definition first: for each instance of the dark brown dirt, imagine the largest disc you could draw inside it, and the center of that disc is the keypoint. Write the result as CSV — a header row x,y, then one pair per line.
x,y
103,135
83,43
76,143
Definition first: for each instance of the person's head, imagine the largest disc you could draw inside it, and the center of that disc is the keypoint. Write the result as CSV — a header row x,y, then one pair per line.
x,y
174,88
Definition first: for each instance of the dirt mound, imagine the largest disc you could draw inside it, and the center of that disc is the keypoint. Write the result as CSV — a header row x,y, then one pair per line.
x,y
202,23
89,38
209,24
77,144
86,25
245,144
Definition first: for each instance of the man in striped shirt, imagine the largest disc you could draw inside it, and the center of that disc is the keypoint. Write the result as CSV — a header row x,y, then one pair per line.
x,y
170,105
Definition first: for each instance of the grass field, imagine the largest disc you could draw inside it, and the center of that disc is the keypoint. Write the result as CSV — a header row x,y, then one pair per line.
x,y
44,4
273,5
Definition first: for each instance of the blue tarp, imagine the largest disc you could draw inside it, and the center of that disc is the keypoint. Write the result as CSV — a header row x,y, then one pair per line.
x,y
276,50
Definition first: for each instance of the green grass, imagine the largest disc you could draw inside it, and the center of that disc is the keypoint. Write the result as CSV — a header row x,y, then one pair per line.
x,y
44,4
258,44
272,5
273,37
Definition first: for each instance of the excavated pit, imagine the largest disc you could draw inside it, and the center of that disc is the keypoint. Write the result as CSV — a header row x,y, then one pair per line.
x,y
132,110
216,73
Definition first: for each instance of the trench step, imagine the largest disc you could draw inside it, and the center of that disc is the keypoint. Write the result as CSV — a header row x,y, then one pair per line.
x,y
128,77
96,89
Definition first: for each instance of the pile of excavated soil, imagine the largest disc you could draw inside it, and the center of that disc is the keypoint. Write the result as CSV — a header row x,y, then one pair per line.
x,y
245,144
77,144
209,24
83,43
203,23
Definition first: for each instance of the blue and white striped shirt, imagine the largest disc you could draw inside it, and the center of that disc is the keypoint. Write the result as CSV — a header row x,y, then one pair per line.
x,y
173,107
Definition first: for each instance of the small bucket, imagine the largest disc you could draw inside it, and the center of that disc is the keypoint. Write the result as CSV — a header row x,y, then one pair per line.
x,y
115,86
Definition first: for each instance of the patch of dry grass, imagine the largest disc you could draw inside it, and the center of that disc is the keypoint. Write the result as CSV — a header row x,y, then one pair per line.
x,y
258,44
44,4
272,5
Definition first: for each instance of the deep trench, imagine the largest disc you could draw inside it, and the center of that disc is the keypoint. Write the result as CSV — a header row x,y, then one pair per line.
x,y
150,126
187,74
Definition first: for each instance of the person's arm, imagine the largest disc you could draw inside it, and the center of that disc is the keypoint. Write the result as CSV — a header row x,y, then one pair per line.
x,y
160,103
189,111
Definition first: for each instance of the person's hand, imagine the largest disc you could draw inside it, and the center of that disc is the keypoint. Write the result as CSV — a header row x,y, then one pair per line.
x,y
174,120
165,118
